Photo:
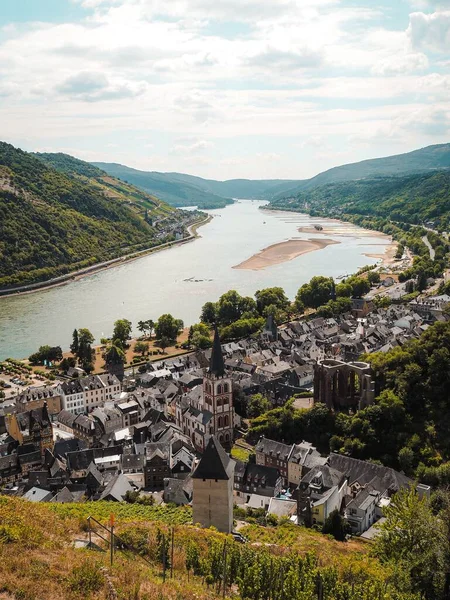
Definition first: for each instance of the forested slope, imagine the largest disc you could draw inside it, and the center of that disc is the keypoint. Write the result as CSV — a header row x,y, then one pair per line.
x,y
54,222
411,199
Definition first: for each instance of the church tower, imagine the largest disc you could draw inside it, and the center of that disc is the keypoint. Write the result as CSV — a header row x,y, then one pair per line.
x,y
218,396
213,480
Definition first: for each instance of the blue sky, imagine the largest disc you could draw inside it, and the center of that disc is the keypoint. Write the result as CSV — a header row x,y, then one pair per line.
x,y
258,89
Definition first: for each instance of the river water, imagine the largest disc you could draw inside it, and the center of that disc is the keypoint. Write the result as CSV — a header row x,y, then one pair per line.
x,y
156,284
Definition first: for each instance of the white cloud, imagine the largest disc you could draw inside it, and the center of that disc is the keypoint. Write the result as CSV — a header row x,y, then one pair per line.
x,y
303,73
430,31
189,147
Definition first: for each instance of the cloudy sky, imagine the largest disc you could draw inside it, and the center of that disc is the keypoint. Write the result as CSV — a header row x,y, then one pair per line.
x,y
225,88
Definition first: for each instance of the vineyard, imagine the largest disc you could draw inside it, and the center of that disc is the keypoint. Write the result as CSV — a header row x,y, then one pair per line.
x,y
38,559
123,512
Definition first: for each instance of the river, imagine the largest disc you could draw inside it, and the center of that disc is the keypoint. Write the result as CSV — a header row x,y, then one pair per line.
x,y
157,284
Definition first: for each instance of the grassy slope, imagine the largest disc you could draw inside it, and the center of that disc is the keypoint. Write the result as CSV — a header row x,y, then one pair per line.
x,y
413,198
38,560
55,221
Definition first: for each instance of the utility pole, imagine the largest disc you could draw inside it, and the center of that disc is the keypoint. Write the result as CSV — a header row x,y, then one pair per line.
x,y
111,542
164,556
171,556
224,582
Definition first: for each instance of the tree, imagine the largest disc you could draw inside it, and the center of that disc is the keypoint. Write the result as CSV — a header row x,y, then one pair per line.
x,y
343,290
360,286
274,296
163,343
75,344
257,405
142,326
46,354
141,348
122,331
336,525
115,359
232,306
67,363
150,327
414,540
421,281
201,336
209,313
85,352
315,293
373,277
168,327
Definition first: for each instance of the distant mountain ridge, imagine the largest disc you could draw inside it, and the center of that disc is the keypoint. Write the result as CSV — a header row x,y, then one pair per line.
x,y
180,189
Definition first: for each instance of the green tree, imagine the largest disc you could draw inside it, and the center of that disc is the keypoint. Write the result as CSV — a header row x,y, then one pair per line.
x,y
163,343
373,277
315,293
122,331
142,326
141,348
360,286
343,290
336,525
274,296
115,358
168,327
209,313
85,352
414,540
75,344
150,327
257,405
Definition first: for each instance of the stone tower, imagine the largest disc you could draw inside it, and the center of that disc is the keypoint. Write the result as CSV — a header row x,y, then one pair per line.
x,y
218,396
213,480
40,429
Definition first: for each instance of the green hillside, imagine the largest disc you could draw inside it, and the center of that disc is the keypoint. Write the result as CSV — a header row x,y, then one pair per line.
x,y
410,199
173,188
56,221
180,189
425,159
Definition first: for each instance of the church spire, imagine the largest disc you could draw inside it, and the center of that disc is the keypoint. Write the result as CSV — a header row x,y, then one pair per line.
x,y
216,364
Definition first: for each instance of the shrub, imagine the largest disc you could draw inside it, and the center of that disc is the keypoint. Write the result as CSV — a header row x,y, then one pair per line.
x,y
86,578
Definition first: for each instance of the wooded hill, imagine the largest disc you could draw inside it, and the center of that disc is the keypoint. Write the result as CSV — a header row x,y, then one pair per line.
x,y
59,214
180,189
410,199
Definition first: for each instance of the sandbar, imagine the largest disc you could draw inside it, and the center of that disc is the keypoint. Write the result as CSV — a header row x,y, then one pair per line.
x,y
282,252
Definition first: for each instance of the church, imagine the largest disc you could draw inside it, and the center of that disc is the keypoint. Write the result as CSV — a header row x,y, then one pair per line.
x,y
210,411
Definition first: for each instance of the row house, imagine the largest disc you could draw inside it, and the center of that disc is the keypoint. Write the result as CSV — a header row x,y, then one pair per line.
x,y
84,394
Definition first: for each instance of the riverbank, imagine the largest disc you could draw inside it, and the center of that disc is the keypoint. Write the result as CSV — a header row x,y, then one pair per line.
x,y
81,273
345,229
282,252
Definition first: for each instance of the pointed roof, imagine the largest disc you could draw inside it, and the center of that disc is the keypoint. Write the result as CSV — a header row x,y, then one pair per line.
x,y
216,364
215,462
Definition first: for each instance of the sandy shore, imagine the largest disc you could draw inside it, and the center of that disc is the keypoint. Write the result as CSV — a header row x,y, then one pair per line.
x,y
342,229
388,258
282,252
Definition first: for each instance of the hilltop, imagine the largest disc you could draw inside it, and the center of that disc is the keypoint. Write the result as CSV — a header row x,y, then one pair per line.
x,y
180,189
59,214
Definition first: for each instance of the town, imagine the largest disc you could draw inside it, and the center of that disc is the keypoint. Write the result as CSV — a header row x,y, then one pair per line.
x,y
165,433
